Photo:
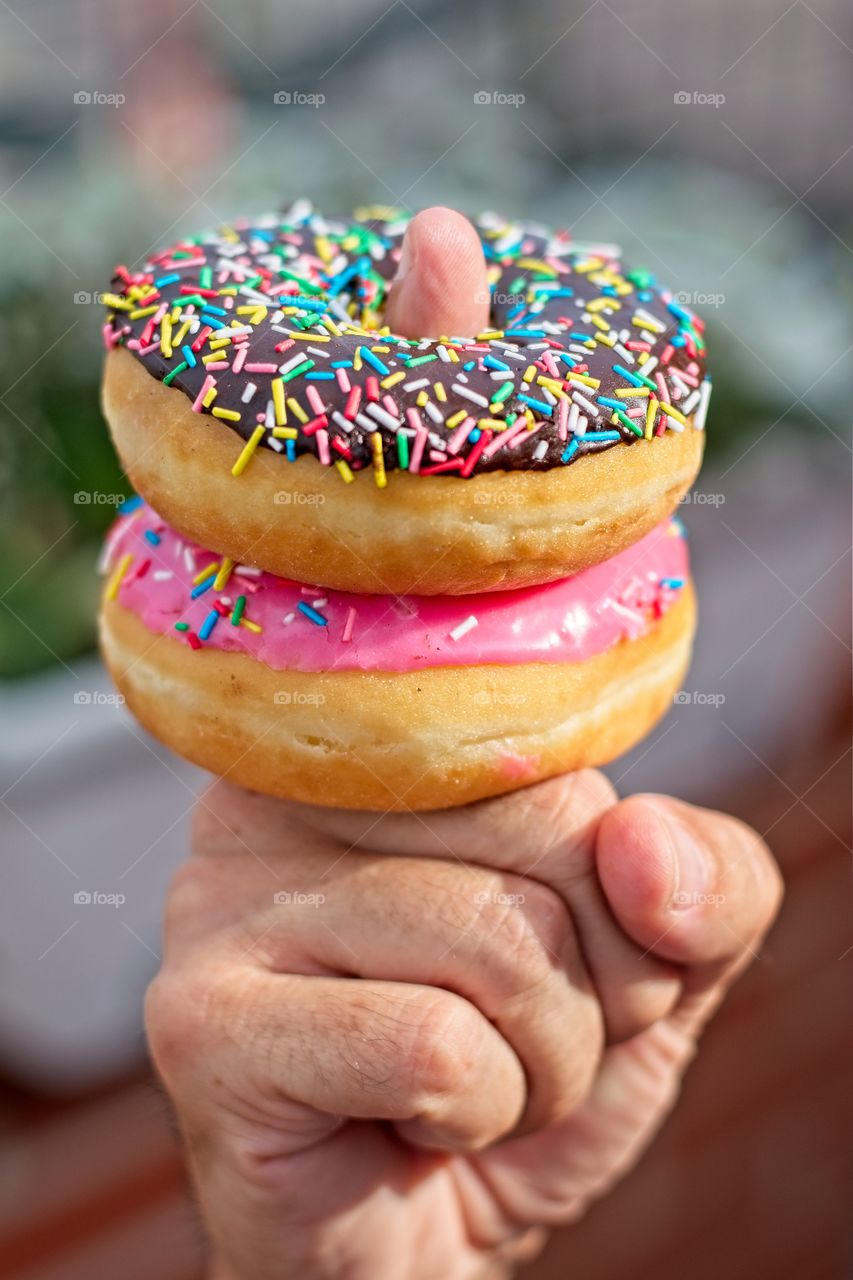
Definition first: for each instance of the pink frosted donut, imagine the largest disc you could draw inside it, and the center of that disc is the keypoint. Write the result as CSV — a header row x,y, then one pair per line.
x,y
384,702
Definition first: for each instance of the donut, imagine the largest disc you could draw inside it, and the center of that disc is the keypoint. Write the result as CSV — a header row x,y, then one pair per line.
x,y
387,702
260,405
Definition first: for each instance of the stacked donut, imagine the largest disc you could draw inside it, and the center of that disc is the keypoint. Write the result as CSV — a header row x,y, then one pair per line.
x,y
380,572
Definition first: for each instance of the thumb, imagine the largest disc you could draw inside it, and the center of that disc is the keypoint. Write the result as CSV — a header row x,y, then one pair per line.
x,y
441,288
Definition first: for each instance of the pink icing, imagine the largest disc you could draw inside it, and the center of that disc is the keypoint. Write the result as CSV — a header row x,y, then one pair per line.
x,y
565,621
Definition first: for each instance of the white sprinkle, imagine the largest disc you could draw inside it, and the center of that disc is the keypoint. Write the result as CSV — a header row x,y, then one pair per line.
x,y
702,411
382,415
162,575
248,391
342,422
672,424
432,411
443,354
540,451
292,363
470,395
464,627
316,351
416,386
247,571
288,618
692,400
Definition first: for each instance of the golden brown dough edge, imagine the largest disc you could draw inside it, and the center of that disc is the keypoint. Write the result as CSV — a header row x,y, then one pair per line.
x,y
386,741
426,535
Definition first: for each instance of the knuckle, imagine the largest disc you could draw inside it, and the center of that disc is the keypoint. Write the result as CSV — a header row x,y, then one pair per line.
x,y
525,926
444,1043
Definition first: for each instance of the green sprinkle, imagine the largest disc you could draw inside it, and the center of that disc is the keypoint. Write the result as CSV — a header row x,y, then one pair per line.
x,y
237,611
205,277
403,451
503,393
300,368
627,422
173,373
410,364
182,626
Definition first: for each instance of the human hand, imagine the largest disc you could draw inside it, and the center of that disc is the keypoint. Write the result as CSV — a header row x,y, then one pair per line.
x,y
463,1026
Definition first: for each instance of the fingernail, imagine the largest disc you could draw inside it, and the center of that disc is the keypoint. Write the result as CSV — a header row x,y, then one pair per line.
x,y
407,258
693,866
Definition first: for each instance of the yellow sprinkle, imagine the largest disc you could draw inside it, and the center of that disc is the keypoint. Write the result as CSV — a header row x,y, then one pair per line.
x,y
392,380
529,373
284,433
142,311
178,339
380,349
491,423
278,402
642,357
216,343
230,415
247,451
456,418
356,361
210,397
344,470
608,339
212,357
653,326
116,580
421,399
324,248
224,574
599,323
308,337
440,393
296,409
625,393
673,413
328,323
651,413
602,304
166,337
121,304
207,571
252,626
454,357
533,264
378,461
584,378
487,337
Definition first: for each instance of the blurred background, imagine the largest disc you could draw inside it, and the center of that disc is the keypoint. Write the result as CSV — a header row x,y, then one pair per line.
x,y
715,143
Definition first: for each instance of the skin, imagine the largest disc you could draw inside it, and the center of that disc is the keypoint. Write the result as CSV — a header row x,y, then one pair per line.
x,y
449,1031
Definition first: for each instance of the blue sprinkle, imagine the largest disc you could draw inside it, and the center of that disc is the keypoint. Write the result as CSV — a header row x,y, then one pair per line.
x,y
161,281
209,309
474,435
212,321
306,304
570,451
152,537
541,405
315,617
319,377
626,373
492,362
290,450
674,583
679,340
602,436
567,359
516,311
189,356
208,625
581,337
203,586
342,364
612,404
524,333
680,312
469,365
368,356
129,504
